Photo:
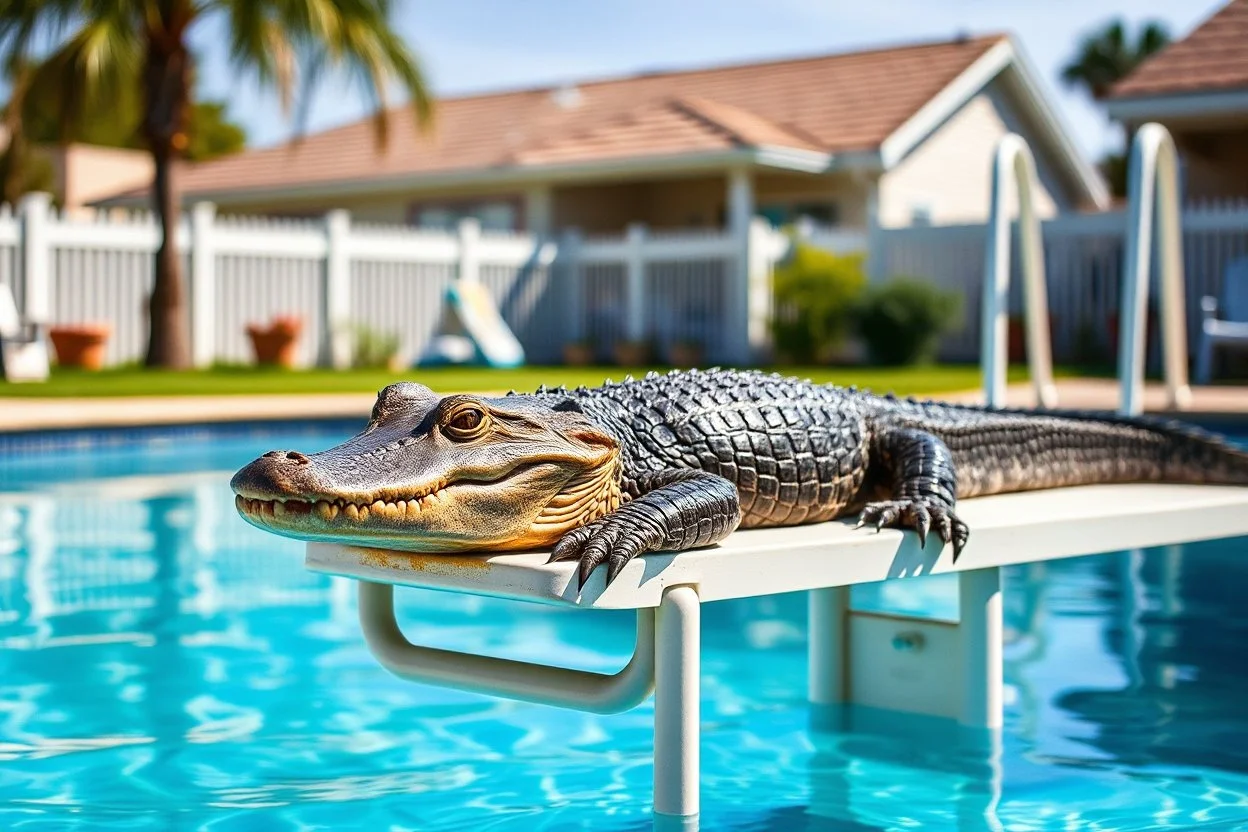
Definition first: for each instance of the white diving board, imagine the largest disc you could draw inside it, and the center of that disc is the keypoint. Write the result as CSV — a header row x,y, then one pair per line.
x,y
942,668
1005,529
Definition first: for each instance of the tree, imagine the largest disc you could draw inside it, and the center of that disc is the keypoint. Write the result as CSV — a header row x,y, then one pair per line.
x,y
104,122
102,47
116,121
1104,58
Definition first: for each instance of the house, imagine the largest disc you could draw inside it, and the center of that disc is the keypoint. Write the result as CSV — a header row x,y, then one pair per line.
x,y
892,136
1197,88
82,174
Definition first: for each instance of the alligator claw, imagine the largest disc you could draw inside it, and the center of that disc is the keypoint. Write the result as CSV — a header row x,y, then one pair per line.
x,y
607,540
919,515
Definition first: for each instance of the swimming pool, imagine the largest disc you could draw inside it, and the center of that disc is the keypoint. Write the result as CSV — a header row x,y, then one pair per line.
x,y
165,666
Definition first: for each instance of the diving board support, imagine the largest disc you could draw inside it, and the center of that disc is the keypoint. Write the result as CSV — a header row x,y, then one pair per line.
x,y
677,715
576,689
1153,200
911,663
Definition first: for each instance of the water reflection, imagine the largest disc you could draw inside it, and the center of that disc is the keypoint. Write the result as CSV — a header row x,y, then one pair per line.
x,y
166,666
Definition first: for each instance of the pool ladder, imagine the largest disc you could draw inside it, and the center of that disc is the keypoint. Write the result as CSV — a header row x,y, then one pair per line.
x,y
1153,210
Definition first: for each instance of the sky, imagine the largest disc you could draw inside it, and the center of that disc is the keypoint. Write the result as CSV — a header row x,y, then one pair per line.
x,y
475,46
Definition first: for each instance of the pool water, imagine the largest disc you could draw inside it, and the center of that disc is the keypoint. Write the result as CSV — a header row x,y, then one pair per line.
x,y
165,666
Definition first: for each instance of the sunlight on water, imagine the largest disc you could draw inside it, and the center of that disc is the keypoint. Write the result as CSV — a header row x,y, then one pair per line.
x,y
165,666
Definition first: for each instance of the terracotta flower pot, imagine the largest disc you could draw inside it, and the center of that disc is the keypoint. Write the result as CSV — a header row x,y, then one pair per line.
x,y
631,353
80,345
685,355
578,354
275,344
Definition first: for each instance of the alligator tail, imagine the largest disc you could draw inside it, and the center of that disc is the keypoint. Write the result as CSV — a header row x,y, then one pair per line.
x,y
998,450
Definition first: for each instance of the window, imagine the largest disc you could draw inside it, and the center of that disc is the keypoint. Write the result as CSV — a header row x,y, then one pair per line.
x,y
494,215
779,214
921,214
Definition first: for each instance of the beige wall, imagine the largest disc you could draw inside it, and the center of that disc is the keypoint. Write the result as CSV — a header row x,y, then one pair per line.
x,y
950,173
84,173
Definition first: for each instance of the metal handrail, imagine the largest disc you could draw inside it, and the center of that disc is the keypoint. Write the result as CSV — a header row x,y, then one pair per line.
x,y
580,690
1014,165
1153,193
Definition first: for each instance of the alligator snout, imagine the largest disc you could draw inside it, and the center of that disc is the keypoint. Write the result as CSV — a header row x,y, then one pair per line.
x,y
276,474
299,458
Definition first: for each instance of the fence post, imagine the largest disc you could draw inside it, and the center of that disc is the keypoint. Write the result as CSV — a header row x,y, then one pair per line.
x,y
203,284
469,250
759,294
336,341
570,257
635,284
36,255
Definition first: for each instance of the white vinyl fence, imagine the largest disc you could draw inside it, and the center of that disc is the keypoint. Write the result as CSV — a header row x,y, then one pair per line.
x,y
336,275
706,289
1084,259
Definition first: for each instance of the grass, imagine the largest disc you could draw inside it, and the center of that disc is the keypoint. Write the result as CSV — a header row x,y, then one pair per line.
x,y
133,381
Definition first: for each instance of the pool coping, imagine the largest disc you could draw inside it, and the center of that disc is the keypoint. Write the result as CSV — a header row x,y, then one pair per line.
x,y
28,416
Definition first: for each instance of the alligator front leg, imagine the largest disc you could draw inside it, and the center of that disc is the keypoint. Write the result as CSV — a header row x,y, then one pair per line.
x,y
918,469
679,508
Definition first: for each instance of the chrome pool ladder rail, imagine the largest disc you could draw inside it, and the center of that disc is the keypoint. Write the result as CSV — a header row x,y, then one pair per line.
x,y
1014,174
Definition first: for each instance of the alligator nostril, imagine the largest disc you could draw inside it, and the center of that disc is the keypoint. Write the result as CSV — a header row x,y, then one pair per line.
x,y
298,457
272,454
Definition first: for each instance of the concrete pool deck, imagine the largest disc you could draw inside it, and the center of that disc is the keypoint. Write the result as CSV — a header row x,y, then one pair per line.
x,y
22,414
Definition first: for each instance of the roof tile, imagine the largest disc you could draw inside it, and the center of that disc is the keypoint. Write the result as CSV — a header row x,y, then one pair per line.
x,y
1213,57
832,103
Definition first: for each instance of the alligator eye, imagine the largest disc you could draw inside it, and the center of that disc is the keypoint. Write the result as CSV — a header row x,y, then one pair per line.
x,y
466,423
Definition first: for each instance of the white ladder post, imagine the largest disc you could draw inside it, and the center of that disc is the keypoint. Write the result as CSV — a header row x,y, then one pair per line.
x,y
1014,170
1153,194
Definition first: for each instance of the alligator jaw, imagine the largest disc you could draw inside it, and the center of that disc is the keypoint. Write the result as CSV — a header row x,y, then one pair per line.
x,y
418,524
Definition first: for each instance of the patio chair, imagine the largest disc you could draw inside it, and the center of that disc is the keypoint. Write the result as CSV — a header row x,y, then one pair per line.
x,y
1226,326
23,345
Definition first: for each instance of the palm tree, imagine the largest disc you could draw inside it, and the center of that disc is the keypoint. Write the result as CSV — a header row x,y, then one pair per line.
x,y
97,44
1103,59
1106,57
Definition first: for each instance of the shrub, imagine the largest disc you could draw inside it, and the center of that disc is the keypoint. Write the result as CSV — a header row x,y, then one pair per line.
x,y
901,321
373,349
815,293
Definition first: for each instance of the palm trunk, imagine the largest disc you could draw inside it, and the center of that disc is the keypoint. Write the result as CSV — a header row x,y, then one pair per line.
x,y
13,171
168,337
167,87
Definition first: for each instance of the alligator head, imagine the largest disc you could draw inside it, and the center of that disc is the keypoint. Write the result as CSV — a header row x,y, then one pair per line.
x,y
442,474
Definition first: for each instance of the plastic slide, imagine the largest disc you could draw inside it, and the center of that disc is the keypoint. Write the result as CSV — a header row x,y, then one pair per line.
x,y
472,331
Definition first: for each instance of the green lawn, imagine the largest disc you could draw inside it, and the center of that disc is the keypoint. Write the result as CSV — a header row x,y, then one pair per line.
x,y
244,380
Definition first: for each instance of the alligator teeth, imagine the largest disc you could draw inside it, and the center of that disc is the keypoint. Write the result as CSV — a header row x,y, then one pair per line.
x,y
351,512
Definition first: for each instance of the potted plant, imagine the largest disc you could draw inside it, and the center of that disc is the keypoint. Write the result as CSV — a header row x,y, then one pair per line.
x,y
685,352
80,345
376,350
631,353
579,353
275,344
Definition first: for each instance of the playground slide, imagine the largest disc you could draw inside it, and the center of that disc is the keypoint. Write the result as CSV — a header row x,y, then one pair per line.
x,y
472,331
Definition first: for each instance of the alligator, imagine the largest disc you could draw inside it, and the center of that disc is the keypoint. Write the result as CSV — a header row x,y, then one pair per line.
x,y
679,461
